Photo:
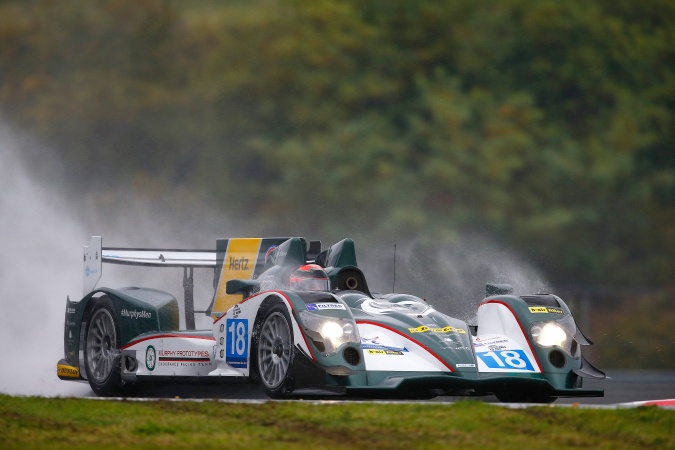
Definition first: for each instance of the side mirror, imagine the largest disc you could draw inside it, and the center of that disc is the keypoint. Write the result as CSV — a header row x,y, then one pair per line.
x,y
241,287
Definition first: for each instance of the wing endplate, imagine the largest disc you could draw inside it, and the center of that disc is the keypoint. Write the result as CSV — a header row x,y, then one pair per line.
x,y
92,264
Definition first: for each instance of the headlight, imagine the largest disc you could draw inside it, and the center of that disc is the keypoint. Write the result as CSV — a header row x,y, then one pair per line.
x,y
331,330
557,333
329,333
549,334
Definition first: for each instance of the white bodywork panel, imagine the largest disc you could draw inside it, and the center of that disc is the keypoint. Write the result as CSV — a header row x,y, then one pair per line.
x,y
501,345
173,355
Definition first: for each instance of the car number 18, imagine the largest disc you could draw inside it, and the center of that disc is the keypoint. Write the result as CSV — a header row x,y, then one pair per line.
x,y
236,348
506,359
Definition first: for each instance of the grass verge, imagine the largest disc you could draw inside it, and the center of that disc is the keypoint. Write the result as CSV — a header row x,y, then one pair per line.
x,y
70,423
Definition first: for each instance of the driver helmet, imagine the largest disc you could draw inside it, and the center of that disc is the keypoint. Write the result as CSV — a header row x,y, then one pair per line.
x,y
310,277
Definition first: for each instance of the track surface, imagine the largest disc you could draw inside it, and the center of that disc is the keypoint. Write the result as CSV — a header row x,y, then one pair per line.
x,y
629,386
622,387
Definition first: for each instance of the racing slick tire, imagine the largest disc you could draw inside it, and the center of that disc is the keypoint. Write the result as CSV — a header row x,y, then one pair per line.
x,y
102,353
273,352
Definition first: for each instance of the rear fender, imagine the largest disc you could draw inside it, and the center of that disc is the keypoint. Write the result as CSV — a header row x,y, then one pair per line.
x,y
137,311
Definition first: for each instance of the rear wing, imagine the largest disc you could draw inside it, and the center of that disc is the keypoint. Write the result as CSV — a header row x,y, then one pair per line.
x,y
95,254
239,258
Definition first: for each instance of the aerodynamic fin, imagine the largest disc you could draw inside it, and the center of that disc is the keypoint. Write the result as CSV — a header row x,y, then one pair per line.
x,y
92,264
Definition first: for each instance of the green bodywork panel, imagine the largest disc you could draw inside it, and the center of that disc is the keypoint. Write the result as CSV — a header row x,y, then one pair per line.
x,y
137,310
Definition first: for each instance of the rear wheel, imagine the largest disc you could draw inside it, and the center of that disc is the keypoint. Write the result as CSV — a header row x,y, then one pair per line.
x,y
274,352
102,353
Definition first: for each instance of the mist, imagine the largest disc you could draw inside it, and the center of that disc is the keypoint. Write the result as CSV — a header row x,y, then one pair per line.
x,y
451,276
41,253
46,219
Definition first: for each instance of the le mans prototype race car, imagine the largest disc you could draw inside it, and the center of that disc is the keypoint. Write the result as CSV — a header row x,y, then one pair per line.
x,y
301,321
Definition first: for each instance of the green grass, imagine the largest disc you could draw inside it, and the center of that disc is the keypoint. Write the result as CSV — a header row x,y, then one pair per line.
x,y
69,423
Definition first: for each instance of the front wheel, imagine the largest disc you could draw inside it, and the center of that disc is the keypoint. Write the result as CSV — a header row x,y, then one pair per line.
x,y
274,353
102,353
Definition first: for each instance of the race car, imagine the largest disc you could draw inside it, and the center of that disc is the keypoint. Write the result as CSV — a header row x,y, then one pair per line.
x,y
301,321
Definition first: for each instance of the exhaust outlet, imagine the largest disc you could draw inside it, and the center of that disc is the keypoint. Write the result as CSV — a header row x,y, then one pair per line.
x,y
352,283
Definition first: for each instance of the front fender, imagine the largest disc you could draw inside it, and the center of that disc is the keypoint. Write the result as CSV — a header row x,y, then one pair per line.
x,y
514,317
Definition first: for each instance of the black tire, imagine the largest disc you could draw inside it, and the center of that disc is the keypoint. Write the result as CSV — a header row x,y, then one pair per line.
x,y
102,354
273,352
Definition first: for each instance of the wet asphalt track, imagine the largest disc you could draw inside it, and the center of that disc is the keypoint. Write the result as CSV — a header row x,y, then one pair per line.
x,y
622,387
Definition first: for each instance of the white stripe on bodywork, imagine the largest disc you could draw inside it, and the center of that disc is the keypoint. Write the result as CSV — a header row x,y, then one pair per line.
x,y
495,321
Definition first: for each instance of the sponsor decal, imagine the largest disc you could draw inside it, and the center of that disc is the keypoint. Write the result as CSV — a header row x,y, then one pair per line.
x,y
235,313
270,253
183,356
177,358
375,344
506,359
465,365
70,310
426,329
408,307
67,371
136,314
239,263
324,306
383,352
150,358
236,347
545,309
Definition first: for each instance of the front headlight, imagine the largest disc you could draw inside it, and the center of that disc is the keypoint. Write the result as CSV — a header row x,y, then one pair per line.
x,y
549,334
557,333
329,333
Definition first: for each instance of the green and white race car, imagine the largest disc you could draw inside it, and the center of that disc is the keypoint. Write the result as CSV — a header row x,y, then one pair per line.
x,y
301,321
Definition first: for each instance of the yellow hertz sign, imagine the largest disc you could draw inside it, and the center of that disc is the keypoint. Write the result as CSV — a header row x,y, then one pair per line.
x,y
239,264
544,309
425,329
67,371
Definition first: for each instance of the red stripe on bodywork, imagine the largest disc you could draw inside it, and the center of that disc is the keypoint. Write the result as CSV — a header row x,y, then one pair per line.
x,y
167,336
206,360
368,322
521,329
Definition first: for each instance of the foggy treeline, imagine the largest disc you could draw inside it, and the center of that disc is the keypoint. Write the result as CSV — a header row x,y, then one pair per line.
x,y
547,127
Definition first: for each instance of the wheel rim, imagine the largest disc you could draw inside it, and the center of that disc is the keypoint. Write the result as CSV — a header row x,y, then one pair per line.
x,y
274,350
101,345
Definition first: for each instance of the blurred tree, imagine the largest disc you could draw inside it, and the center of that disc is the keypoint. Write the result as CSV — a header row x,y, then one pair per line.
x,y
546,125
